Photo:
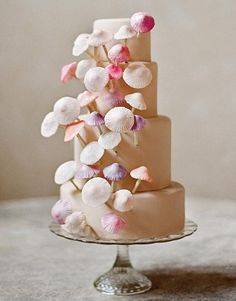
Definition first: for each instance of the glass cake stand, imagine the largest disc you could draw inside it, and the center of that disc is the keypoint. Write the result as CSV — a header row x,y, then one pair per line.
x,y
122,279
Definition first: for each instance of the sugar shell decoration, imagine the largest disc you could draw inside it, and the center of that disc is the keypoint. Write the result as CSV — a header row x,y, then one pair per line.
x,y
139,124
114,172
110,140
68,72
86,171
113,97
49,125
96,79
96,192
140,174
142,22
73,130
99,37
66,172
123,200
95,119
125,32
137,75
66,110
136,101
119,54
119,119
80,44
112,223
61,210
86,99
83,67
91,153
115,71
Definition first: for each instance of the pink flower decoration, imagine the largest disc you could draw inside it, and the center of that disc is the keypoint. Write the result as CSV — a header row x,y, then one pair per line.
x,y
61,210
72,130
115,72
68,72
142,22
112,223
119,53
115,97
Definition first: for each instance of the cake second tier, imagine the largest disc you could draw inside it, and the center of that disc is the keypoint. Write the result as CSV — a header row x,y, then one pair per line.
x,y
153,151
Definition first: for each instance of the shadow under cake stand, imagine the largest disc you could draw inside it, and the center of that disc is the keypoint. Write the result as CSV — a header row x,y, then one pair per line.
x,y
122,279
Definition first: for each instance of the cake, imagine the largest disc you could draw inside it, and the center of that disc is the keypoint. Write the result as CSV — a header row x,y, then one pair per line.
x,y
118,186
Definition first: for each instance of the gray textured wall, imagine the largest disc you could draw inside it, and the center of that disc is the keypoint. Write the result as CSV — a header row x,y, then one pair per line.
x,y
194,44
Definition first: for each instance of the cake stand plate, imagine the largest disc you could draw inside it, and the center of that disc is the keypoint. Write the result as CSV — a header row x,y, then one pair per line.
x,y
122,279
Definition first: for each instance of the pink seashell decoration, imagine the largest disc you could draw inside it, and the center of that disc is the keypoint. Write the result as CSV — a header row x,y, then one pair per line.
x,y
94,119
141,173
65,172
137,75
112,223
113,96
86,171
125,32
119,54
139,123
61,210
91,153
68,72
115,72
72,130
142,22
114,172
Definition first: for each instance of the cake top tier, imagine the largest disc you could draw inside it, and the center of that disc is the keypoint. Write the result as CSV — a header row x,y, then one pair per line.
x,y
139,48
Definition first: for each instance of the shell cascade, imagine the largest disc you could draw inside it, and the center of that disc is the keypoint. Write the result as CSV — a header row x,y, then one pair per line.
x,y
101,79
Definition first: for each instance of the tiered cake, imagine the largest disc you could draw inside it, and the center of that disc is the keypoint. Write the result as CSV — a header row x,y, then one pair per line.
x,y
119,184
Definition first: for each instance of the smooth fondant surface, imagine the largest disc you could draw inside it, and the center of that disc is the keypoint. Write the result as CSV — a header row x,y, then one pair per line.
x,y
155,213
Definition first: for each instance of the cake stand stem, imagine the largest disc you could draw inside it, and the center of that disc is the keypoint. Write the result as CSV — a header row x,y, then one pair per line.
x,y
122,279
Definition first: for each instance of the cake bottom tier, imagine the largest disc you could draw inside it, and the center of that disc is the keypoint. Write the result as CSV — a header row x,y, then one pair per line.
x,y
155,213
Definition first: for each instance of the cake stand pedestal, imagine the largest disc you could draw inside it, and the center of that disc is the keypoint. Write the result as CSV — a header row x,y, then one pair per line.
x,y
122,279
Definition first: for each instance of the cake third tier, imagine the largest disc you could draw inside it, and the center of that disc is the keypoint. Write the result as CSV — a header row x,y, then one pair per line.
x,y
153,150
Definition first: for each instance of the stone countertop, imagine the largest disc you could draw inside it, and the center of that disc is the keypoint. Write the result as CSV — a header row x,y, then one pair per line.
x,y
37,265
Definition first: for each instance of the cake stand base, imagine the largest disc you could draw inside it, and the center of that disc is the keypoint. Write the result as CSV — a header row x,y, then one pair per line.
x,y
122,279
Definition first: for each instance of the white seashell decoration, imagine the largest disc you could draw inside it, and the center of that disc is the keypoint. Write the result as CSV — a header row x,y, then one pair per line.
x,y
65,172
80,44
91,153
99,37
119,119
75,223
96,191
83,67
125,32
85,98
123,200
66,110
109,140
49,125
96,79
136,101
137,75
